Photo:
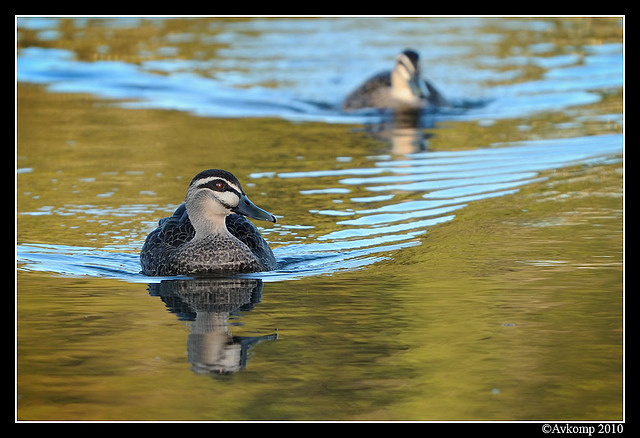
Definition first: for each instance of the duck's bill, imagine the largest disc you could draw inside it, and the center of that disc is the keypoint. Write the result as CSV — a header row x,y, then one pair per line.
x,y
249,209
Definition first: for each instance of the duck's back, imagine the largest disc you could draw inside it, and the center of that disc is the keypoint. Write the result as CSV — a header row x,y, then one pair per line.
x,y
175,230
373,93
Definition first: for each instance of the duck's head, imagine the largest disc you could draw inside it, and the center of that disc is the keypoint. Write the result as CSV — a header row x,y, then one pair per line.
x,y
406,77
212,195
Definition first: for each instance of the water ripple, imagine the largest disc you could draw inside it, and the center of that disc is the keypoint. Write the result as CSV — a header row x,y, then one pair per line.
x,y
445,182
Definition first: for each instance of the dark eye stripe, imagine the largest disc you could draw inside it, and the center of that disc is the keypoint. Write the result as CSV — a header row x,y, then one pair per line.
x,y
213,185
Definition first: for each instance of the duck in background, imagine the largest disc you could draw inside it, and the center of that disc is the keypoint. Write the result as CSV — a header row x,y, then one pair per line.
x,y
401,88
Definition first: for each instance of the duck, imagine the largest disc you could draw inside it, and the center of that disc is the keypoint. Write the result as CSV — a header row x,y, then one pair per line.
x,y
401,88
209,233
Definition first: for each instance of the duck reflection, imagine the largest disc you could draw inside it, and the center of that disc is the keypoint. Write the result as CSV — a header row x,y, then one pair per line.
x,y
406,130
403,130
208,302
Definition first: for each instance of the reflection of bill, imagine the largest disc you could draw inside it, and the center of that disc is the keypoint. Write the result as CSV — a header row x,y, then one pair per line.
x,y
212,348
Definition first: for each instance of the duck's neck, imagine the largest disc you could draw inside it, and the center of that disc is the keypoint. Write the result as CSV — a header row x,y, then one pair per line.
x,y
400,88
207,219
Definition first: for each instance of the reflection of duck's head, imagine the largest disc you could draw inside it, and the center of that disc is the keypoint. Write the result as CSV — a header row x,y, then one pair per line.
x,y
406,78
214,194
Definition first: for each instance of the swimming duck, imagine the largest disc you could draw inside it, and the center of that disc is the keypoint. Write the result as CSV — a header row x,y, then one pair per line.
x,y
403,87
209,233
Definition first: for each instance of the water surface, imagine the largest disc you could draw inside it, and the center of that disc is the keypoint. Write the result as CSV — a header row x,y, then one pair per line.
x,y
466,264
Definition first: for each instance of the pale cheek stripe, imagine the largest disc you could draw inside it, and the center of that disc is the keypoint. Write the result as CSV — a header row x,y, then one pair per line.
x,y
228,199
